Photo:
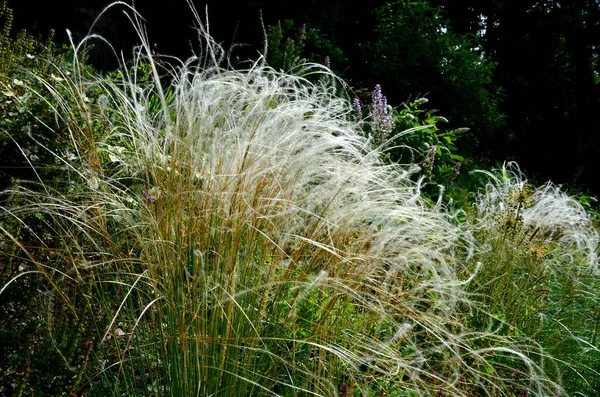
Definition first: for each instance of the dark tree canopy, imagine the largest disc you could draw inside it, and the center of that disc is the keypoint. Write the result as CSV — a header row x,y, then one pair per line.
x,y
546,54
530,64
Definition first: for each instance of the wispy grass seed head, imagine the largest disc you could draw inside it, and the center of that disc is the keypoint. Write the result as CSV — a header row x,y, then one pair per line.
x,y
547,213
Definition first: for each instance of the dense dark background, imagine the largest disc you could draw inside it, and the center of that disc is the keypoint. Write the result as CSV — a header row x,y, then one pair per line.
x,y
522,74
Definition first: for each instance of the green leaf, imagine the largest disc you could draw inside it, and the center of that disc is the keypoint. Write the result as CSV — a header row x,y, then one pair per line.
x,y
457,157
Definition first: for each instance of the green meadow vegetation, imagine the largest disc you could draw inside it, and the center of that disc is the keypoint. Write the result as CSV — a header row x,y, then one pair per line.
x,y
186,228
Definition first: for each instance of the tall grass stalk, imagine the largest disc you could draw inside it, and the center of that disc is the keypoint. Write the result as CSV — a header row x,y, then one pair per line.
x,y
231,232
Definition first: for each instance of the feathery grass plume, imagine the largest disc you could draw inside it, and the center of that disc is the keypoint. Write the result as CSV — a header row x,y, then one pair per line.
x,y
545,215
232,233
539,274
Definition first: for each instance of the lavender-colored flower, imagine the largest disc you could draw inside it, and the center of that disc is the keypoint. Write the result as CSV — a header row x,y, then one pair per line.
x,y
429,159
358,108
381,115
455,171
328,62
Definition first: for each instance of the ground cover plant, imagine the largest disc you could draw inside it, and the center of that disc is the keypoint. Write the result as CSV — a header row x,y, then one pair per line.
x,y
221,232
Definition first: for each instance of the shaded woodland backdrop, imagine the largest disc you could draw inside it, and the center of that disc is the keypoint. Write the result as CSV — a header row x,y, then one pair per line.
x,y
521,74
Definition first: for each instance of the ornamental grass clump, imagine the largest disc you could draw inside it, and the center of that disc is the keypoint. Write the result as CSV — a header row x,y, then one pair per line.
x,y
232,232
539,273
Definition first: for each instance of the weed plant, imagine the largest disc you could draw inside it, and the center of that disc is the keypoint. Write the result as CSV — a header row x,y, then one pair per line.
x,y
233,233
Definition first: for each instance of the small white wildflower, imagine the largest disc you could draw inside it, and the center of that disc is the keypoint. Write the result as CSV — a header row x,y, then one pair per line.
x,y
119,149
113,158
421,101
94,183
56,78
26,129
9,94
29,56
153,194
102,102
70,156
25,97
85,98
17,82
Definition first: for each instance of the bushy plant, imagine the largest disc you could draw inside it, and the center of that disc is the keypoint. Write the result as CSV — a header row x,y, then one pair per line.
x,y
32,71
415,50
412,135
13,50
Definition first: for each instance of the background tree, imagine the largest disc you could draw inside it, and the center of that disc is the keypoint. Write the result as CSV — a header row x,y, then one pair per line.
x,y
546,54
535,62
415,51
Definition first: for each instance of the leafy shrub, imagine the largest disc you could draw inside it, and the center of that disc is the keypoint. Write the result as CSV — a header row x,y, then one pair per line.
x,y
32,72
290,46
413,135
415,50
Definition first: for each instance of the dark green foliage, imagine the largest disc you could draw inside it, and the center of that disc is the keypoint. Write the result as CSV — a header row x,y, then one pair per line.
x,y
289,44
44,346
547,64
415,51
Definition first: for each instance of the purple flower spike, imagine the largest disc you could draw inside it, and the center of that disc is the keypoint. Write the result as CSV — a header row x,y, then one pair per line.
x,y
358,108
381,115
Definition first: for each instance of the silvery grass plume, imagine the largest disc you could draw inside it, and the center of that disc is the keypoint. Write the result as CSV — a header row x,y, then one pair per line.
x,y
539,271
546,214
237,235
